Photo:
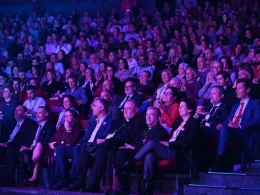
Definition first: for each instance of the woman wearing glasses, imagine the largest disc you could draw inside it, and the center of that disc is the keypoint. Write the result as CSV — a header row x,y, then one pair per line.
x,y
169,106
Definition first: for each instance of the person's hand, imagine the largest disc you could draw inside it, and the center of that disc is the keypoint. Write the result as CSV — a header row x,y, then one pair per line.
x,y
100,141
51,145
201,110
219,126
3,145
144,141
233,125
127,146
184,83
209,78
25,148
165,143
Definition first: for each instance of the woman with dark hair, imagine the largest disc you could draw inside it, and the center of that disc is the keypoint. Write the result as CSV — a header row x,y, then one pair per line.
x,y
36,72
123,72
62,59
51,86
82,68
228,67
68,103
169,106
15,69
7,109
67,136
183,137
239,55
35,82
187,45
74,64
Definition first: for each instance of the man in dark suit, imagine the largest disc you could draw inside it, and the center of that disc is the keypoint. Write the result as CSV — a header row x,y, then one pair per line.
x,y
43,134
214,113
146,87
130,94
83,152
240,124
22,135
223,79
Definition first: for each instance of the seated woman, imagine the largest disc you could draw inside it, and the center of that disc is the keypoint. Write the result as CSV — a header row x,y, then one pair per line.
x,y
51,86
184,133
66,136
169,107
7,109
77,92
69,103
123,72
166,78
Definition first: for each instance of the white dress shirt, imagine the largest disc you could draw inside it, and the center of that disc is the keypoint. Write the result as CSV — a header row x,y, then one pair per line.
x,y
38,132
236,113
98,125
15,131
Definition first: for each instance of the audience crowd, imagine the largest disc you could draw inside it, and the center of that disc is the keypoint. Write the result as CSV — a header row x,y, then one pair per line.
x,y
150,88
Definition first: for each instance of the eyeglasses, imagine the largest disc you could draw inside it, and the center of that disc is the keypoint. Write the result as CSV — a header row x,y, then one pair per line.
x,y
127,109
67,116
126,87
166,94
150,115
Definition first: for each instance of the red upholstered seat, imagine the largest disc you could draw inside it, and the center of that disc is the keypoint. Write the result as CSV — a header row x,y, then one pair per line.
x,y
53,102
163,165
83,123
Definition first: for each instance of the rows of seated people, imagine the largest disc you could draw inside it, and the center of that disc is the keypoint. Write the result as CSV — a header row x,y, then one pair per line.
x,y
151,88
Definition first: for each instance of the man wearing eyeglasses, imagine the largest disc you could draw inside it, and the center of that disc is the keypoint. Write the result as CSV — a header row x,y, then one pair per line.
x,y
130,94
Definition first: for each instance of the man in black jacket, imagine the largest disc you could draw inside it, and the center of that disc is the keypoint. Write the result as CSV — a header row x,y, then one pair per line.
x,y
130,94
214,113
22,135
43,134
223,79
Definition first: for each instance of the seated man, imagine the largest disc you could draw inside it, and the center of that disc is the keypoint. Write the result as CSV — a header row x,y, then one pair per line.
x,y
240,124
214,113
223,79
124,135
113,111
146,87
143,66
33,102
130,93
22,136
96,130
31,155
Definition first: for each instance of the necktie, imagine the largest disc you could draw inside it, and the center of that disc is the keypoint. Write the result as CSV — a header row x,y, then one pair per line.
x,y
123,102
239,115
213,110
37,136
